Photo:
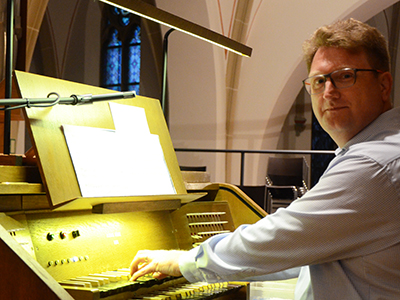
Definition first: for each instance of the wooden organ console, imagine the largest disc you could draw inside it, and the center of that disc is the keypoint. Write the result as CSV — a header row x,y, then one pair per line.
x,y
56,244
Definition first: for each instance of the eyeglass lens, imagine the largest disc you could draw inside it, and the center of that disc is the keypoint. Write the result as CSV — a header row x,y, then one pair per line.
x,y
340,79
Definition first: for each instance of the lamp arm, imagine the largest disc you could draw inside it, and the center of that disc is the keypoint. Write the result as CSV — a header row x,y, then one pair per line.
x,y
164,69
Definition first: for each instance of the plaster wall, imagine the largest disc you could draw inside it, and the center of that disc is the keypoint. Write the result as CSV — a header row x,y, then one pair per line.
x,y
269,81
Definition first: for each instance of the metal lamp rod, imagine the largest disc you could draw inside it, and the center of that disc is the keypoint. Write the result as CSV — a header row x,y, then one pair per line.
x,y
165,70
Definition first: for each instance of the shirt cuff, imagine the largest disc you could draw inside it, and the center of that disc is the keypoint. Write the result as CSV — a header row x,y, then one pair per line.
x,y
188,266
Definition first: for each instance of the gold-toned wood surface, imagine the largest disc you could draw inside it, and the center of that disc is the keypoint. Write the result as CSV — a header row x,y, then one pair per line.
x,y
19,174
244,209
18,180
22,277
15,202
48,140
109,241
105,242
20,188
10,203
112,208
89,203
35,202
181,221
79,293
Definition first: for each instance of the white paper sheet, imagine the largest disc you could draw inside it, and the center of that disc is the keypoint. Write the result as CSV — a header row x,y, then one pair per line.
x,y
118,162
129,119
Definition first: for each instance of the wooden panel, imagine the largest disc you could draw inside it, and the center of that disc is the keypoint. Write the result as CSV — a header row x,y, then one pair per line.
x,y
10,159
89,203
112,208
181,225
20,188
109,241
244,210
10,202
49,143
22,277
31,202
105,242
19,174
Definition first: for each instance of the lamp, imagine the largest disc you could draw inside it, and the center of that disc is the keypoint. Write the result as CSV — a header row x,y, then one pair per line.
x,y
155,14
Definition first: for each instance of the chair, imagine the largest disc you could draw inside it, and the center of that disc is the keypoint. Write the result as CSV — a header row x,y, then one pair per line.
x,y
287,180
257,193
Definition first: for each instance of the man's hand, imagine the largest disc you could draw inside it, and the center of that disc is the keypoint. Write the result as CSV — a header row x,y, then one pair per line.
x,y
161,263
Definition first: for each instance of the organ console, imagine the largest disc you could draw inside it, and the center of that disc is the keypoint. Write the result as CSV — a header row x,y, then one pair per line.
x,y
57,244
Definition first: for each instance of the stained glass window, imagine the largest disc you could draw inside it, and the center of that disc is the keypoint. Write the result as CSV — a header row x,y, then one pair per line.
x,y
112,70
134,61
121,50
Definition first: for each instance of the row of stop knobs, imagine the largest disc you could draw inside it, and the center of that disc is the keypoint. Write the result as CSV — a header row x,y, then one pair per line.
x,y
67,260
51,236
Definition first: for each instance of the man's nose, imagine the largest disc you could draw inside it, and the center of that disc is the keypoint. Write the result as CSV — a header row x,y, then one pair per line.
x,y
330,89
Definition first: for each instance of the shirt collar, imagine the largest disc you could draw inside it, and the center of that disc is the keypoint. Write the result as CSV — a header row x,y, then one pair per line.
x,y
383,121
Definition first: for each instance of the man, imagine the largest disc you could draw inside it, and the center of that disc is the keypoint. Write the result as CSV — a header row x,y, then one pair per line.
x,y
343,236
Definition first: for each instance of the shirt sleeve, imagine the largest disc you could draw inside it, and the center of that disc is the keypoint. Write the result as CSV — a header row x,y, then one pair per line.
x,y
354,210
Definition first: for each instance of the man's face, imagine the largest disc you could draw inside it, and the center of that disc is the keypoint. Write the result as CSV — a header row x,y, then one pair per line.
x,y
345,112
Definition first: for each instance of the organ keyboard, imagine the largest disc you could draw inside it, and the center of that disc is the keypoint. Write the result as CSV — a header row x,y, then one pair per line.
x,y
56,244
72,246
116,285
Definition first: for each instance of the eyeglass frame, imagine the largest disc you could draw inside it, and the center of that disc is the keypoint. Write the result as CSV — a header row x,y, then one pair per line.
x,y
326,76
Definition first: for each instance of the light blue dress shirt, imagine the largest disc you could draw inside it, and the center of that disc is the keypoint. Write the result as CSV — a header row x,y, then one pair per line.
x,y
342,238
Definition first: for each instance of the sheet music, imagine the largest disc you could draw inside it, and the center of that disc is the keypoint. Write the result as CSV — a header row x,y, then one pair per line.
x,y
121,162
130,119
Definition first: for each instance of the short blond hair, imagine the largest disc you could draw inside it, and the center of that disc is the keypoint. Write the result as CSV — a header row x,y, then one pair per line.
x,y
351,35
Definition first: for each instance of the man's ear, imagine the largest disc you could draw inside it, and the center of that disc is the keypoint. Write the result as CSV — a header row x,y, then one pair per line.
x,y
386,83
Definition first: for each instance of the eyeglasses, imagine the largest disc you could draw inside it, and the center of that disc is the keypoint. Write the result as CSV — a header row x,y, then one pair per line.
x,y
340,79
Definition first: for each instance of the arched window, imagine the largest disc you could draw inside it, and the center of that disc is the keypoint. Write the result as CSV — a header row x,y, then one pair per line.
x,y
121,48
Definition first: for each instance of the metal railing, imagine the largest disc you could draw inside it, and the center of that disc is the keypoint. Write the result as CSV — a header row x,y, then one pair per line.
x,y
244,152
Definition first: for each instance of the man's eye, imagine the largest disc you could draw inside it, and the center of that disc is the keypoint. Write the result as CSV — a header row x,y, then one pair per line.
x,y
343,76
318,81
